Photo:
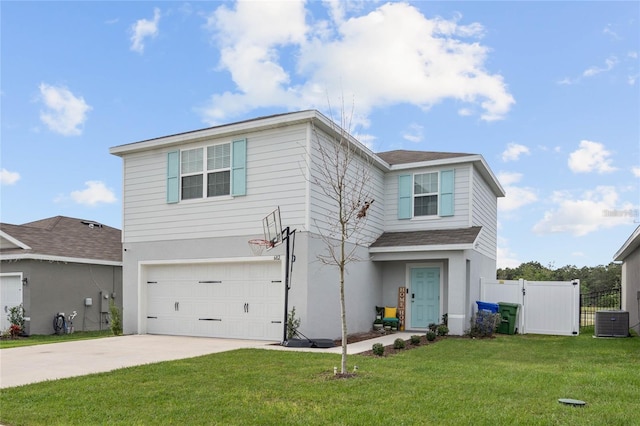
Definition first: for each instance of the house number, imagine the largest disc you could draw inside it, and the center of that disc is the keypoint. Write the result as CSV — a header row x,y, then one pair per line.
x,y
276,257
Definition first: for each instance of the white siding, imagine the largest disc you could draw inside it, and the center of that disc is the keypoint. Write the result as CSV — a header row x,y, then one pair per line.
x,y
323,210
485,214
460,218
274,178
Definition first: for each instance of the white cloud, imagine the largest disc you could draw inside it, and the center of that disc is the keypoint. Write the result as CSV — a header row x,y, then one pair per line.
x,y
506,258
609,63
636,171
8,178
65,112
389,56
95,193
414,133
143,29
514,151
516,196
594,210
591,156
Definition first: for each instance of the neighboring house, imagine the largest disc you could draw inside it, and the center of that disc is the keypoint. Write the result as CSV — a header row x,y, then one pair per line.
x,y
60,265
629,255
192,201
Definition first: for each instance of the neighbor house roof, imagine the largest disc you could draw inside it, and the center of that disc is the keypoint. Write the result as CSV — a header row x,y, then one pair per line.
x,y
436,239
61,238
632,244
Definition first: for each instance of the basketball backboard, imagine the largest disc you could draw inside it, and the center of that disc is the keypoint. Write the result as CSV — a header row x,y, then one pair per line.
x,y
273,228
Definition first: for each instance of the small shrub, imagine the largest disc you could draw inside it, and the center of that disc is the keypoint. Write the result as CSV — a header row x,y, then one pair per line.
x,y
16,319
293,324
415,340
398,343
431,335
484,324
16,316
378,349
116,319
442,330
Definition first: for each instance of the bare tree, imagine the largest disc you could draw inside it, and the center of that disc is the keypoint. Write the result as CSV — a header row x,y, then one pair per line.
x,y
343,175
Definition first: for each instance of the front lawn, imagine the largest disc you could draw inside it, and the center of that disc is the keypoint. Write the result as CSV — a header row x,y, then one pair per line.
x,y
40,339
509,380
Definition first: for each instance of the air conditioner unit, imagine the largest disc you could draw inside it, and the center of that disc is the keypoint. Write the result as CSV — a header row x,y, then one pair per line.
x,y
612,324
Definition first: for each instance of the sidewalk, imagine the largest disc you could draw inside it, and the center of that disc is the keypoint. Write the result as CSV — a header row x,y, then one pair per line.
x,y
353,348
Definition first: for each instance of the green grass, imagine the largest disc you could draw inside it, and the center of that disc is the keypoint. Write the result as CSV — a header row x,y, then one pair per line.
x,y
509,380
41,339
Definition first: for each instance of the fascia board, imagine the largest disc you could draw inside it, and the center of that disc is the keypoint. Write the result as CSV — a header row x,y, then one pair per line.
x,y
439,247
218,131
63,259
632,243
14,241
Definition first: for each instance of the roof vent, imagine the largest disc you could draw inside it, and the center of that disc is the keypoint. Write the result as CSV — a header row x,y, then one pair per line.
x,y
91,224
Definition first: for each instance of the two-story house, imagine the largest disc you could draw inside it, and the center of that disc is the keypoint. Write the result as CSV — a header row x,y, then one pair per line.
x,y
192,201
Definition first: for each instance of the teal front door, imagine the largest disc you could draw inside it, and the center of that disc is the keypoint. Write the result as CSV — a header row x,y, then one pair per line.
x,y
424,297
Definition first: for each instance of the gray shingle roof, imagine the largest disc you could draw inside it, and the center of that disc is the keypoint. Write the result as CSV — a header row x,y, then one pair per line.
x,y
65,237
428,238
402,156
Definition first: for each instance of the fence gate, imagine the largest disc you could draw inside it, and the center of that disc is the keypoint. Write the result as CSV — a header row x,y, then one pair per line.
x,y
546,307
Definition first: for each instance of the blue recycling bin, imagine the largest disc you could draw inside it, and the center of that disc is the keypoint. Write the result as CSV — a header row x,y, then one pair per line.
x,y
487,306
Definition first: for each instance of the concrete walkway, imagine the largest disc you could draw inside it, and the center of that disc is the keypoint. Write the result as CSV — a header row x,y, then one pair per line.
x,y
31,364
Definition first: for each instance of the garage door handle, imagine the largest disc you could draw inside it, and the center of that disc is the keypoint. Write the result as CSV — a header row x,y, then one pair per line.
x,y
209,319
209,282
276,322
153,317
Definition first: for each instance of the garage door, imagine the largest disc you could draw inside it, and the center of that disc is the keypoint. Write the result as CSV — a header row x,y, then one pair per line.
x,y
231,300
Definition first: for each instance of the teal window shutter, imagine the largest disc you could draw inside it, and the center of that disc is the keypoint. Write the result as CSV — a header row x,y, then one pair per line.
x,y
239,167
447,178
173,176
405,192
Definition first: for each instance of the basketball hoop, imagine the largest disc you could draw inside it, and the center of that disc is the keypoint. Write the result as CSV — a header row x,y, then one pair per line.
x,y
258,245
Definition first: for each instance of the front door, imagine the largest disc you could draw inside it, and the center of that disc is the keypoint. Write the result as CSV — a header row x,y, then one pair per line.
x,y
425,297
10,296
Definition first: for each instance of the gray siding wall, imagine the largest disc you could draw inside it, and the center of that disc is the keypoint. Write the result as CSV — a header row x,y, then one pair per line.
x,y
55,287
631,288
363,291
275,177
485,213
462,191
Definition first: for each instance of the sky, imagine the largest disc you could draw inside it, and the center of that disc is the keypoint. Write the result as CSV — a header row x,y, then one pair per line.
x,y
547,92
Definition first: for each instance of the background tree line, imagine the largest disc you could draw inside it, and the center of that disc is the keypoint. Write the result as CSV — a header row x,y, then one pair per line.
x,y
592,278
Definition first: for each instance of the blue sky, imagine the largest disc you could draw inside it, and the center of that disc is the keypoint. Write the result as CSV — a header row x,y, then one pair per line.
x,y
548,92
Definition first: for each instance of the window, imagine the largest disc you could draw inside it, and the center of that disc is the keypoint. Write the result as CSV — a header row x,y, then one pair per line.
x,y
425,193
218,171
209,171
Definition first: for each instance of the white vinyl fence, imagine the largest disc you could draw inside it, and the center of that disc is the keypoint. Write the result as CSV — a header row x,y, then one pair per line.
x,y
546,307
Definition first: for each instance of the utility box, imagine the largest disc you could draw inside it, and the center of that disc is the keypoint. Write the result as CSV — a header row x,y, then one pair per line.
x,y
104,302
88,301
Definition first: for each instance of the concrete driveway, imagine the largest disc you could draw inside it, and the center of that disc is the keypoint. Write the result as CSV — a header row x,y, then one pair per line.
x,y
30,364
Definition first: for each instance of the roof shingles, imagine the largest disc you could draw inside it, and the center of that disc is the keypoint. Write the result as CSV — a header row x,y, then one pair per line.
x,y
66,237
428,238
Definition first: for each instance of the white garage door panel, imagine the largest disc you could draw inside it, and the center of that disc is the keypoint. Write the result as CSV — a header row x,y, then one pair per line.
x,y
232,300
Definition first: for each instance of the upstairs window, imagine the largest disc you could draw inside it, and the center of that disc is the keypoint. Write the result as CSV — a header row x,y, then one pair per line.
x,y
212,171
425,193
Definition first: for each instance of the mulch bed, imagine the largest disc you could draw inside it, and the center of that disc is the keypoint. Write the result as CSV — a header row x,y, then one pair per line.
x,y
389,349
